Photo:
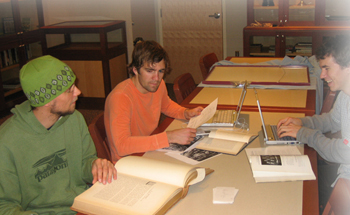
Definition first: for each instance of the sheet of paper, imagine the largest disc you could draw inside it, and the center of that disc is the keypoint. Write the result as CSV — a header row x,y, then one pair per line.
x,y
224,195
193,156
207,113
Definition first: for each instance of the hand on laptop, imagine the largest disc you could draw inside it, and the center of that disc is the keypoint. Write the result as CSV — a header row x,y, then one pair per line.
x,y
181,136
289,120
289,127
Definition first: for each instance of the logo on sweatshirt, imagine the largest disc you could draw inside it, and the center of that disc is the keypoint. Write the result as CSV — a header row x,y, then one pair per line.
x,y
50,165
345,141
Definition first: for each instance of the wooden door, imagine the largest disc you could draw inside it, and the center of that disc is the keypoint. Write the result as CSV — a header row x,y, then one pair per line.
x,y
189,33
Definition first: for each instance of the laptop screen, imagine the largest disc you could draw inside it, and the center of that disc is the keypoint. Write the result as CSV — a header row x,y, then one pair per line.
x,y
240,102
261,116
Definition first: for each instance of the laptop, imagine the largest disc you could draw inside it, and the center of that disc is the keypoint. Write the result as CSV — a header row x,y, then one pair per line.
x,y
270,131
230,118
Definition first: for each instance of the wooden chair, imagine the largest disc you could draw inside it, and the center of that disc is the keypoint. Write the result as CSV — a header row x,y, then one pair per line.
x,y
183,86
339,201
205,62
98,133
329,101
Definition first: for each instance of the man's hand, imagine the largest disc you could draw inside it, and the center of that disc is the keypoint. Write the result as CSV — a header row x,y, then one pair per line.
x,y
289,120
288,130
103,170
289,127
189,113
181,136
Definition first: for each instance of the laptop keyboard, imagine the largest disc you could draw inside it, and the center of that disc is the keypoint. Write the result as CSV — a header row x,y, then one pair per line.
x,y
274,130
223,116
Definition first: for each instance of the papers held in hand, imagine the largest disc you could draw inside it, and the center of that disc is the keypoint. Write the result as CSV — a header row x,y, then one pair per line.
x,y
212,117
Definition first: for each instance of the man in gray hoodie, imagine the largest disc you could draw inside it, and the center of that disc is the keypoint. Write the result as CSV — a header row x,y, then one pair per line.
x,y
334,60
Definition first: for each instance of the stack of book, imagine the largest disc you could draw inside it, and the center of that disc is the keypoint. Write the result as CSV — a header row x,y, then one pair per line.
x,y
303,48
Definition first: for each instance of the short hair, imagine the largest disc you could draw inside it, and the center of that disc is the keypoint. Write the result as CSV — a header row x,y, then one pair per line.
x,y
150,52
338,47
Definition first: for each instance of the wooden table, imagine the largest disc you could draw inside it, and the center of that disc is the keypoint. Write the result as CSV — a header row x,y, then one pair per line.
x,y
300,197
268,104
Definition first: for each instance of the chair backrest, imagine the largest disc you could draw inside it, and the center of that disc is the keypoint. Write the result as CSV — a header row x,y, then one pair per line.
x,y
98,133
329,101
205,63
339,201
183,86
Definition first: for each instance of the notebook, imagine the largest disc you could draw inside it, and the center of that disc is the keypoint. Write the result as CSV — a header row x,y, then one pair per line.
x,y
270,131
229,118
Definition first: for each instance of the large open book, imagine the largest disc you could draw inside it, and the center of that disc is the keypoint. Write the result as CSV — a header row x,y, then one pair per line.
x,y
274,167
226,141
143,186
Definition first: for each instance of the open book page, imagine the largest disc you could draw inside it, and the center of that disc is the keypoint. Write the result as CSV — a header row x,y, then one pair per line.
x,y
175,147
143,186
281,168
206,114
156,170
218,145
225,141
225,134
193,156
273,150
126,195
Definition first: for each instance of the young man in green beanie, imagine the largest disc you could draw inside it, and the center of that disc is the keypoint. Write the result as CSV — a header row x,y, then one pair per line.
x,y
47,154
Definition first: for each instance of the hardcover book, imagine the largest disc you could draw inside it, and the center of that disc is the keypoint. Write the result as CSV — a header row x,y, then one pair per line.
x,y
143,186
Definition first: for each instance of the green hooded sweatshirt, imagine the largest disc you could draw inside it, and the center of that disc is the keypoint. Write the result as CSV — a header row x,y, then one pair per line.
x,y
42,171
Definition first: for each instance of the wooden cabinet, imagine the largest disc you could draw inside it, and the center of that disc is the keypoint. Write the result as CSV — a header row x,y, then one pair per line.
x,y
288,41
95,50
299,12
299,26
282,12
20,41
333,13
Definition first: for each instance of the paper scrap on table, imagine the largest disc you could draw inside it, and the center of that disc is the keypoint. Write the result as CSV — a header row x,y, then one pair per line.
x,y
206,114
224,195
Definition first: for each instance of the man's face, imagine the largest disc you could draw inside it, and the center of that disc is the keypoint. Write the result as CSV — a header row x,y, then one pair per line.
x,y
64,104
149,77
336,76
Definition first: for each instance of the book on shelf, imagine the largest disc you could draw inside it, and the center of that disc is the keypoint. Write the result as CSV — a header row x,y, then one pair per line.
x,y
11,84
8,25
26,24
143,186
275,164
226,141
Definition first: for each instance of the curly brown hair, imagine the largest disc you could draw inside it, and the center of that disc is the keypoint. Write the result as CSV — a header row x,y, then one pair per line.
x,y
338,47
148,51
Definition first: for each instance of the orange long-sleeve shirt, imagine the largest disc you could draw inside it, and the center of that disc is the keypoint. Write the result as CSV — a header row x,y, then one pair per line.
x,y
131,116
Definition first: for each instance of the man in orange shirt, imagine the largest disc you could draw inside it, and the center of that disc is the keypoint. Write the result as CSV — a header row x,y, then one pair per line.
x,y
133,108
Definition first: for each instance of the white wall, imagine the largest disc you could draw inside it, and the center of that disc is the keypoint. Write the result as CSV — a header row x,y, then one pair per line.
x,y
236,20
73,10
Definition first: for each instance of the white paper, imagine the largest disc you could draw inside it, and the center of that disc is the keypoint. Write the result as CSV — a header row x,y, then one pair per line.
x,y
206,114
224,195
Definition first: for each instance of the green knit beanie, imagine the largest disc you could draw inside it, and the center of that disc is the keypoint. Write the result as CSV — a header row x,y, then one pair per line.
x,y
45,78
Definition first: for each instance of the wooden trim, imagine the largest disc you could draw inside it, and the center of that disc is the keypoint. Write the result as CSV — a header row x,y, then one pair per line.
x,y
310,188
